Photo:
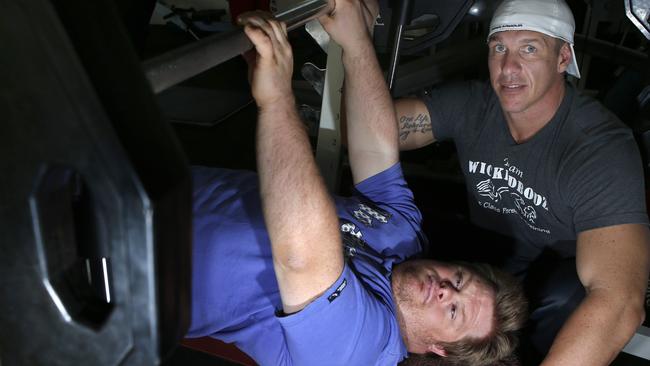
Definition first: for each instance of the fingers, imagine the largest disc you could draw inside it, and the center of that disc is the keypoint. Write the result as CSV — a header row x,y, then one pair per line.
x,y
351,21
274,31
260,40
264,20
370,11
324,20
270,74
280,32
284,28
266,25
248,16
372,7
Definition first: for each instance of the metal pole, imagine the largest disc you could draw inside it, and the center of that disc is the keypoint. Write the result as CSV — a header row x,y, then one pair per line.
x,y
182,63
403,16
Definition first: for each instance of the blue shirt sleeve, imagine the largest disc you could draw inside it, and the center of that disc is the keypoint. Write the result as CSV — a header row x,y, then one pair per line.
x,y
399,231
347,325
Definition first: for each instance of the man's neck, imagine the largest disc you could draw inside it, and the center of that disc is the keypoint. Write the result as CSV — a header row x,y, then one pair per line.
x,y
524,125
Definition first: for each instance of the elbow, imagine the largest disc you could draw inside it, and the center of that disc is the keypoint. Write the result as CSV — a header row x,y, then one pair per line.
x,y
638,315
291,263
642,316
634,314
637,310
625,309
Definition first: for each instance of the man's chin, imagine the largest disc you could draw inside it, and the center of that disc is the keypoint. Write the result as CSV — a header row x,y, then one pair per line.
x,y
511,105
404,285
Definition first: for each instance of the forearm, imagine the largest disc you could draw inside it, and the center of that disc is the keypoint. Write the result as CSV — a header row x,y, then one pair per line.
x,y
613,264
299,213
597,330
371,130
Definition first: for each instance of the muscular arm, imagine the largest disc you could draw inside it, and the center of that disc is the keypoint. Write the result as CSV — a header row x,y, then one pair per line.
x,y
368,108
299,213
369,114
371,130
613,265
414,123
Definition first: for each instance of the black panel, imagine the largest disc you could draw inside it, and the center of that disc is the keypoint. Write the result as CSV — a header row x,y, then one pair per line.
x,y
95,196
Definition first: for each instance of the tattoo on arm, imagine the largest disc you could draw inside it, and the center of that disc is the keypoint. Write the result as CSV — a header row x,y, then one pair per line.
x,y
413,124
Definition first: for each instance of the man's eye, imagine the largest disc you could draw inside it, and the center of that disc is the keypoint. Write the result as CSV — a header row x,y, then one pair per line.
x,y
530,49
459,279
499,48
453,311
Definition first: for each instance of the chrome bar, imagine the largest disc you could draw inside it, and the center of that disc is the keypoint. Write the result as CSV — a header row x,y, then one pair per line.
x,y
192,59
403,18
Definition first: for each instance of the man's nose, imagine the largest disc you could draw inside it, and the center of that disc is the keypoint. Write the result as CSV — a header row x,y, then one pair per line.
x,y
445,291
511,64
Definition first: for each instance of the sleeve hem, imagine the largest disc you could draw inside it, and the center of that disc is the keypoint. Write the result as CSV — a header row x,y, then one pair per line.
x,y
631,218
386,175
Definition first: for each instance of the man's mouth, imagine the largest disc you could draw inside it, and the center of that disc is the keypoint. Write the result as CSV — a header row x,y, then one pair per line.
x,y
512,87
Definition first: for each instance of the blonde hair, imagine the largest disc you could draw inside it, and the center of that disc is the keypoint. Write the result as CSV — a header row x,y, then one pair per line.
x,y
510,315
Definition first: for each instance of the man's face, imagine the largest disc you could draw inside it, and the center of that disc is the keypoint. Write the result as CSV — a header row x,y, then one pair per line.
x,y
524,69
440,302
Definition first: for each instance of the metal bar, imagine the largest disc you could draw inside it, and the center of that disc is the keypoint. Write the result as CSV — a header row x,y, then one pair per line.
x,y
328,147
638,12
613,53
403,16
182,63
304,12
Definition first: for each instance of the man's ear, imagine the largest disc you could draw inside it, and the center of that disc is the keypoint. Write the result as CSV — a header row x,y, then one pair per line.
x,y
564,58
437,349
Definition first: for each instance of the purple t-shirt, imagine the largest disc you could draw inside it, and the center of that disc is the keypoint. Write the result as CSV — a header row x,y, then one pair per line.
x,y
235,295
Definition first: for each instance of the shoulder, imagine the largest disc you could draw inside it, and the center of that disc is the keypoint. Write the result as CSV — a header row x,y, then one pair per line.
x,y
350,313
600,165
592,120
459,106
590,131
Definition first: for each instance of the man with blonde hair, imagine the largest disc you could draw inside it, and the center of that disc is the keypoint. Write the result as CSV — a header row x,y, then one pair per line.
x,y
293,276
553,170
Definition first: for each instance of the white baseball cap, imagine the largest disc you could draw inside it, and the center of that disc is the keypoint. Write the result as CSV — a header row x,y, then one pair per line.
x,y
551,17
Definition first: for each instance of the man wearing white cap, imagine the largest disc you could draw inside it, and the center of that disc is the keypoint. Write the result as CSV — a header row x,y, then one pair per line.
x,y
556,172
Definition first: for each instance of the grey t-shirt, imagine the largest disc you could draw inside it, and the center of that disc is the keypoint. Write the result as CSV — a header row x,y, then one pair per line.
x,y
580,171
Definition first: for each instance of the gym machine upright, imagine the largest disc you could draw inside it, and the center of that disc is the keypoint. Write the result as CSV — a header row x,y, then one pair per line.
x,y
95,197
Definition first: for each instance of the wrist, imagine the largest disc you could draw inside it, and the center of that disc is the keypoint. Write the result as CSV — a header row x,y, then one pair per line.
x,y
353,56
280,104
358,46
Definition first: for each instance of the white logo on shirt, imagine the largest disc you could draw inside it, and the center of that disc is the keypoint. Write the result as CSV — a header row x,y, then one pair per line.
x,y
505,182
366,214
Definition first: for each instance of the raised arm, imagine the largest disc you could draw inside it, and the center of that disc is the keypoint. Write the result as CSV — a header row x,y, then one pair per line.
x,y
613,264
370,116
299,213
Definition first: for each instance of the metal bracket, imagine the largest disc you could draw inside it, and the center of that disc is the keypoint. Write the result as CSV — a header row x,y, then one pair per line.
x,y
328,147
316,31
638,11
